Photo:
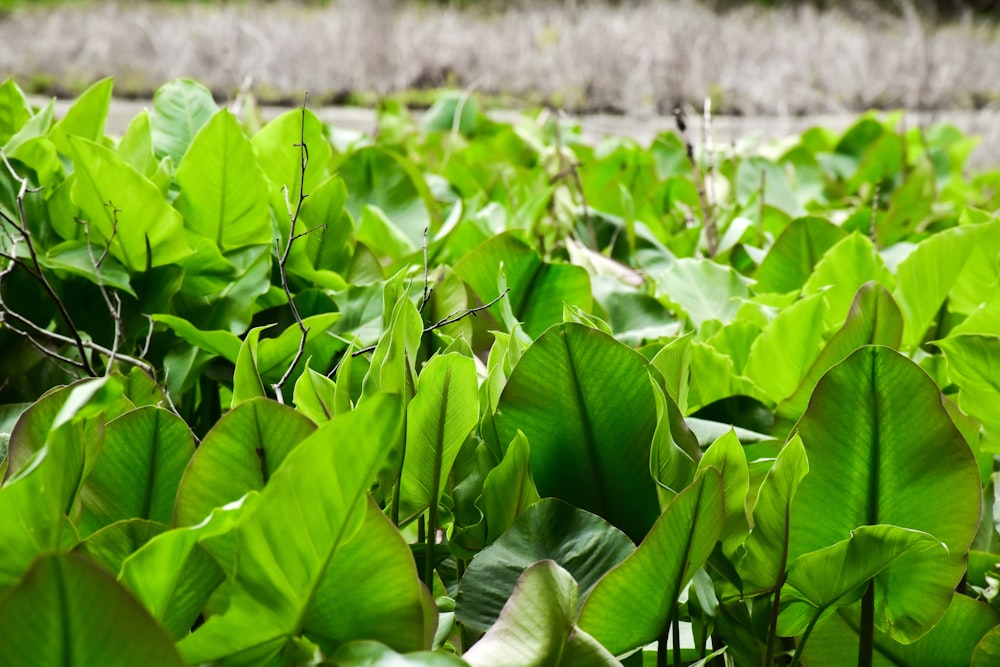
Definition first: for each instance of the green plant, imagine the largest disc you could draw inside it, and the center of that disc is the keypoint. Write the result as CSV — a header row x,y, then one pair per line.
x,y
480,393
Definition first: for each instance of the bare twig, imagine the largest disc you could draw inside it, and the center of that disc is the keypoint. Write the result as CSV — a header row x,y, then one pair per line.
x,y
293,216
114,304
35,270
571,168
760,215
450,319
711,236
428,290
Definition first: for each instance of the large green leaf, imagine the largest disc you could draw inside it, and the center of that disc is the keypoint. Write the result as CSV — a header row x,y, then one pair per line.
x,y
277,145
15,110
440,417
536,626
223,191
584,544
85,118
873,319
908,566
845,267
950,643
584,402
174,573
538,289
925,277
794,254
239,454
974,365
635,602
703,289
786,347
180,108
125,209
67,611
304,555
879,443
137,475
391,183
111,545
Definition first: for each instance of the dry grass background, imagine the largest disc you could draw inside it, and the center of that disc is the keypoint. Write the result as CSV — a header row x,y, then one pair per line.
x,y
645,57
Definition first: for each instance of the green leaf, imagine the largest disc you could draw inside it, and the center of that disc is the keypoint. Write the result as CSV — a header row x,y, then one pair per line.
x,y
223,191
239,454
879,443
137,475
766,549
791,259
583,543
279,156
220,292
33,512
14,110
85,118
247,382
111,545
304,559
122,205
873,319
987,650
440,417
174,573
508,489
703,289
905,564
180,108
223,343
578,396
634,603
453,112
974,365
315,396
536,626
392,184
950,643
925,277
726,455
50,619
392,362
844,268
538,289
373,654
786,347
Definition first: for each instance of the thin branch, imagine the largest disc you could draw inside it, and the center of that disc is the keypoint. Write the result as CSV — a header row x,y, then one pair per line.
x,y
115,307
708,224
428,290
450,319
293,215
571,168
37,272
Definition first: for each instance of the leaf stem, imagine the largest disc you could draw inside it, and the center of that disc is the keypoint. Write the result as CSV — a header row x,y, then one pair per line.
x,y
866,632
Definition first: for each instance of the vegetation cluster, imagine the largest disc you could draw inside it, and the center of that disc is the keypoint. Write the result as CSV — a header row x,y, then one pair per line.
x,y
479,393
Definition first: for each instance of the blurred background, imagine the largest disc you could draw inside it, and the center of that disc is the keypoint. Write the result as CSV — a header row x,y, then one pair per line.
x,y
634,59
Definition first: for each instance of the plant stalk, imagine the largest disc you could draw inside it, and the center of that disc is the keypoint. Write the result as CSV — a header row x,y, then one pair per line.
x,y
676,632
866,632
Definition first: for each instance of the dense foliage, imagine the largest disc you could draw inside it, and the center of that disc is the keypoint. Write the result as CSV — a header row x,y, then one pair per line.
x,y
483,394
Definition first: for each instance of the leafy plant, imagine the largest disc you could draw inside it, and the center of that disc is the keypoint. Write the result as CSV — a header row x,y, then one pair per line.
x,y
479,393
